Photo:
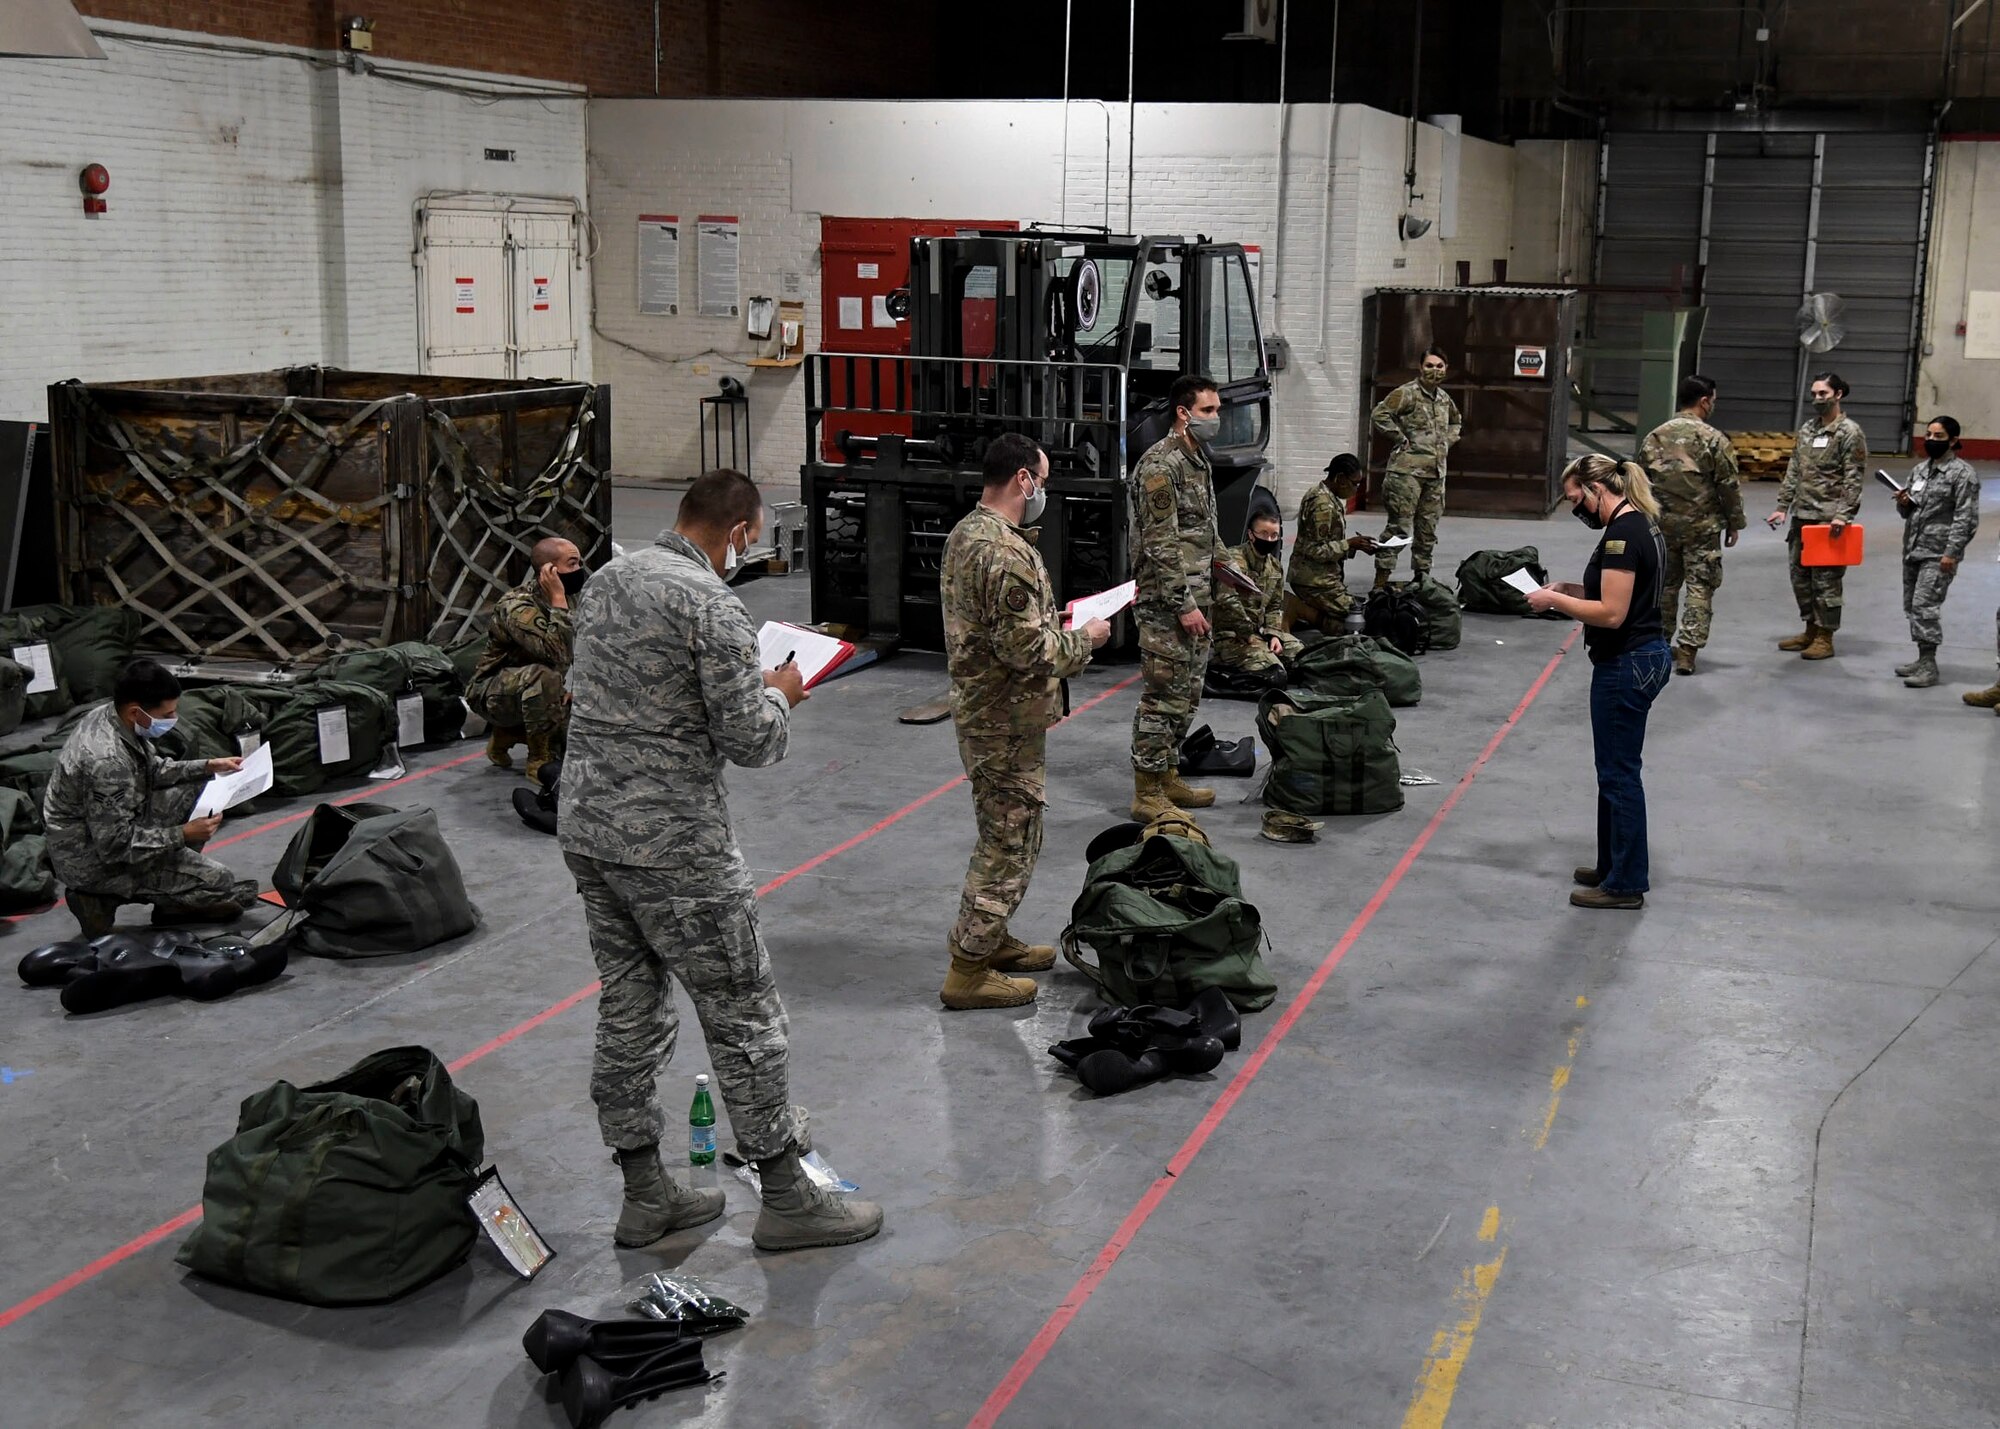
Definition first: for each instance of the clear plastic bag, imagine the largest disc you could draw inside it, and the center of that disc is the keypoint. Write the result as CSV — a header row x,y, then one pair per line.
x,y
685,1301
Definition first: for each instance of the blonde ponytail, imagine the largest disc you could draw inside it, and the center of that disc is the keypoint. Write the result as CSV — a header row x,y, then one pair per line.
x,y
1621,478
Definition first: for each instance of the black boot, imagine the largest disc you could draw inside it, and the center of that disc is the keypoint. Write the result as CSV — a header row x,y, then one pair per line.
x,y
591,1389
558,1339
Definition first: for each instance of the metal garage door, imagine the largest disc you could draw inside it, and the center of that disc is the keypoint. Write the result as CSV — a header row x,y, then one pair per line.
x,y
497,282
1762,220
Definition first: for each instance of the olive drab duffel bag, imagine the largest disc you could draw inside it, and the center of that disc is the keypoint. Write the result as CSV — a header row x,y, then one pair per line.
x,y
403,670
1482,580
1396,616
1331,754
13,695
347,1192
1444,627
1167,918
93,642
328,729
1349,664
372,879
28,640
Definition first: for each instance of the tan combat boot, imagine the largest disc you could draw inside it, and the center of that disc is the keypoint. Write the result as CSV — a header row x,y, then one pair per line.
x,y
1184,795
539,753
971,986
1986,699
1821,647
500,742
1381,580
1150,801
1799,642
1684,659
1015,956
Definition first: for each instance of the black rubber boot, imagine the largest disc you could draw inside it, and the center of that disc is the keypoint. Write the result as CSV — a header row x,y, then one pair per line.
x,y
591,1390
557,1339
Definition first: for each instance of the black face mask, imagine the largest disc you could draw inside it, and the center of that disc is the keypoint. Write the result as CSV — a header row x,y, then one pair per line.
x,y
1935,449
1267,548
1587,516
572,581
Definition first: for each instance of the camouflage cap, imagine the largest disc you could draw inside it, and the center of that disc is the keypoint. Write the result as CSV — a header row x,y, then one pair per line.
x,y
1283,828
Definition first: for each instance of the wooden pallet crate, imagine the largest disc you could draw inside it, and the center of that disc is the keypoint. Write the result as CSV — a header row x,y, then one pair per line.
x,y
1763,456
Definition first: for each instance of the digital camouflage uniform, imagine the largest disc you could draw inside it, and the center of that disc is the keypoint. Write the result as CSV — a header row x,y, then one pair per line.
x,y
1822,484
1693,470
1319,556
667,689
1423,425
1006,649
114,810
1174,551
1944,495
1245,623
518,682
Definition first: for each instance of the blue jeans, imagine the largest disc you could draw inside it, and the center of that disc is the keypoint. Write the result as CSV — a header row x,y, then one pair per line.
x,y
1622,691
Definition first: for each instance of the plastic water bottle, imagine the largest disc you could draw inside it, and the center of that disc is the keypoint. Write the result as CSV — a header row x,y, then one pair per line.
x,y
701,1125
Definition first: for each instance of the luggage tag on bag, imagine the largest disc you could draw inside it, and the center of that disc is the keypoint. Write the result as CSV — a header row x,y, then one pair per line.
x,y
41,668
333,747
248,742
409,720
507,1225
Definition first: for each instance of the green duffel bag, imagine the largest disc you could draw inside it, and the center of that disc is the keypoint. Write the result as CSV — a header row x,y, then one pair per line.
x,y
26,878
464,657
304,757
1441,615
1167,918
1350,664
29,771
221,721
372,879
94,642
13,695
409,668
1482,583
1330,754
22,633
347,1192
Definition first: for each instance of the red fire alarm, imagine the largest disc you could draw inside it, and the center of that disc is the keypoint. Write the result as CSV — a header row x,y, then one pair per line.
x,y
95,181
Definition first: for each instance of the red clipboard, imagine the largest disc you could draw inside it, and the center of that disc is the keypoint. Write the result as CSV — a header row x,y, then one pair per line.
x,y
1819,547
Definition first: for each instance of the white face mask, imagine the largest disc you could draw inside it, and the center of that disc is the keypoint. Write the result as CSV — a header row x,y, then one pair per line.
x,y
731,558
1038,501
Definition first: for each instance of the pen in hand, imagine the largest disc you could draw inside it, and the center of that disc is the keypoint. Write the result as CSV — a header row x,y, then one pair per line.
x,y
790,656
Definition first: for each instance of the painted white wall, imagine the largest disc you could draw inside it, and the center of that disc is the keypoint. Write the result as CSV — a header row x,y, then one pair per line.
x,y
1197,168
1965,258
1555,210
260,206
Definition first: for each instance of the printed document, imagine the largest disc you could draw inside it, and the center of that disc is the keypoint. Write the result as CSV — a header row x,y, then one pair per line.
x,y
226,791
1522,582
1103,605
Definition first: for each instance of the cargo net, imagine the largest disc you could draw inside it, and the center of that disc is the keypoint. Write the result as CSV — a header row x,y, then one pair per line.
x,y
240,551
483,528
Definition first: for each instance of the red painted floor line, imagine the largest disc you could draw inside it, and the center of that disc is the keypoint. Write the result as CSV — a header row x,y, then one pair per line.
x,y
1052,1329
193,1213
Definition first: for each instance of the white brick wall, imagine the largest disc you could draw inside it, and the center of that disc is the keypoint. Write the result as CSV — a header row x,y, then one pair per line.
x,y
1199,168
260,208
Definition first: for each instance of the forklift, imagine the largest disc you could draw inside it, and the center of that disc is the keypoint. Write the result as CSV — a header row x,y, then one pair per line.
x,y
1071,338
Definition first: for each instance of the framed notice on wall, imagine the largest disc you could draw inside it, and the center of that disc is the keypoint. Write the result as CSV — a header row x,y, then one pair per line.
x,y
659,264
720,238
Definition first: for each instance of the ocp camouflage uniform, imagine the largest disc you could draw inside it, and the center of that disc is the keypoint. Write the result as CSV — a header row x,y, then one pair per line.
x,y
113,812
1173,560
518,682
1319,557
1006,650
1822,484
1245,624
1944,495
1423,425
1693,471
668,688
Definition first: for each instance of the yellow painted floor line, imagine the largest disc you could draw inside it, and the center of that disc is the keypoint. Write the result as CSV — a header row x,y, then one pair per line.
x,y
1438,1381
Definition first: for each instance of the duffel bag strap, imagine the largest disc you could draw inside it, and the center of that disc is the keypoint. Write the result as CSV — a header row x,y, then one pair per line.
x,y
1073,952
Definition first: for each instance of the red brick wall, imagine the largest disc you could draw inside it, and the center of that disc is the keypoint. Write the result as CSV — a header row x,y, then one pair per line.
x,y
780,48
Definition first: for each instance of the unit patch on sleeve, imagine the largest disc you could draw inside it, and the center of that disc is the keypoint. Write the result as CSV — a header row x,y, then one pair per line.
x,y
1017,600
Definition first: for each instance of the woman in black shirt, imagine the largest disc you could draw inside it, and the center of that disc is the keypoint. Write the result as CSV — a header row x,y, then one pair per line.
x,y
1619,605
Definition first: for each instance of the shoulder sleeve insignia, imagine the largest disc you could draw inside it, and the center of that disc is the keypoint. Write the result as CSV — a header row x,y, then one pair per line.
x,y
1162,498
1017,600
1614,548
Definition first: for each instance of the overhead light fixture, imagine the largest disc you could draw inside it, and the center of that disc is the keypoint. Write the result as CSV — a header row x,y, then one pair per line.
x,y
45,30
1410,226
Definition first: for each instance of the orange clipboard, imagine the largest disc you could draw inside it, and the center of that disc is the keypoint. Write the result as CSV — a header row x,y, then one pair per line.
x,y
1817,546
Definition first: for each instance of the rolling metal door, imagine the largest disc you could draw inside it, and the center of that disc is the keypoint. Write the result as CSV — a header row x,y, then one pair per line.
x,y
1769,218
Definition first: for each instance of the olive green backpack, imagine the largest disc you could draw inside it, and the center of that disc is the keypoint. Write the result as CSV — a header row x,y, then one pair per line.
x,y
1349,664
1330,754
1441,615
1167,919
1482,580
347,1192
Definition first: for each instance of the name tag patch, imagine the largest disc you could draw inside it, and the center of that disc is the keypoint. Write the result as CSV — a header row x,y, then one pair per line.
x,y
1821,441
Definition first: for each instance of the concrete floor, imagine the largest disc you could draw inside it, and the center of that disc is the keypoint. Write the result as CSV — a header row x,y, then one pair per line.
x,y
1726,1162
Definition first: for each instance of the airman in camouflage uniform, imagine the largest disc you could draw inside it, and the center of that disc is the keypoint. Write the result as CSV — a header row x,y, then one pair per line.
x,y
1007,652
1693,471
1320,597
1422,424
517,686
1250,631
1175,547
1940,511
667,690
1822,485
116,814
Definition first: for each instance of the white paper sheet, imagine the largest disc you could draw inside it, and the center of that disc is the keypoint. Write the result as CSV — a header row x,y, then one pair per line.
x,y
1391,543
226,791
1103,605
1522,582
409,721
850,314
41,668
815,653
333,746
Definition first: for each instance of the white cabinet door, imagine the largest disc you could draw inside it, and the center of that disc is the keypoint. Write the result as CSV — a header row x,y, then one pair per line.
x,y
543,265
466,314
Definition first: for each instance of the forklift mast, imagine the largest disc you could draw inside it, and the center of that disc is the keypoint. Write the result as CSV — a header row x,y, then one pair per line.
x,y
1071,338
